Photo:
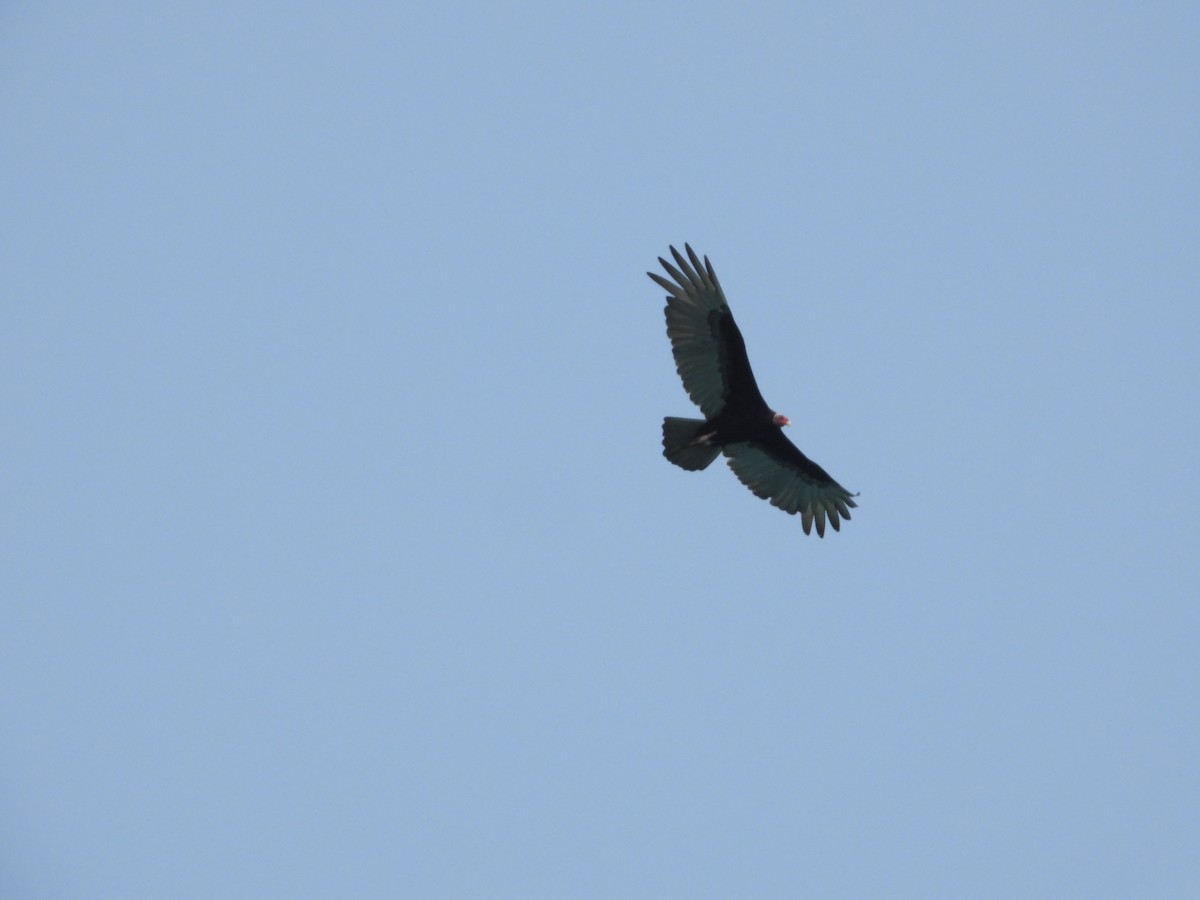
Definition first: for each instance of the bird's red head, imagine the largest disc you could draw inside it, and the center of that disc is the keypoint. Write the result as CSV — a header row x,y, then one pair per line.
x,y
781,420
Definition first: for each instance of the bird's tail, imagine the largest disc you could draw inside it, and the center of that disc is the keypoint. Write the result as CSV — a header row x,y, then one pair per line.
x,y
683,446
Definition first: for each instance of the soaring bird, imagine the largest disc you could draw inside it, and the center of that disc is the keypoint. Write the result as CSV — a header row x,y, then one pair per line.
x,y
710,356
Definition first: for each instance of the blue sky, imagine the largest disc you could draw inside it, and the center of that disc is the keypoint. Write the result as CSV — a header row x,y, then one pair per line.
x,y
340,558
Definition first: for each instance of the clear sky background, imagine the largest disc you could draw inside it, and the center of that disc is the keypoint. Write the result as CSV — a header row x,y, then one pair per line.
x,y
339,555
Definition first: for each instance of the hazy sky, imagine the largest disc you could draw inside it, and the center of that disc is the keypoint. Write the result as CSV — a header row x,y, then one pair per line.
x,y
339,555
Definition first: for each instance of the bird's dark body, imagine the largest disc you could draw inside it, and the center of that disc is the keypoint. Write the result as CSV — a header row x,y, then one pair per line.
x,y
710,355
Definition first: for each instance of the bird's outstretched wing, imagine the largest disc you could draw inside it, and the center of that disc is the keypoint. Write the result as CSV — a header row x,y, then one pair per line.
x,y
710,354
776,470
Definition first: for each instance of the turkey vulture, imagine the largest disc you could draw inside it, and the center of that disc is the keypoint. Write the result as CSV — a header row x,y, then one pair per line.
x,y
711,358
